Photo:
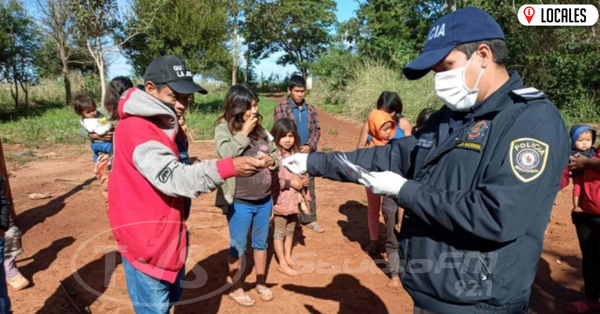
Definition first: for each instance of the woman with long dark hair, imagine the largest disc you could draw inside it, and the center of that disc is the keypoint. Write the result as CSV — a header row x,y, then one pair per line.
x,y
247,200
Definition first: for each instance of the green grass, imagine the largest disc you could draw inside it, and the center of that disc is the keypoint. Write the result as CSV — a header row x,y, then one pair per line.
x,y
202,116
54,123
370,78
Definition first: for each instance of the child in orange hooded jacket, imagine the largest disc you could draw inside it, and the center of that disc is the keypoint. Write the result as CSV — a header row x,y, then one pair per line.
x,y
382,129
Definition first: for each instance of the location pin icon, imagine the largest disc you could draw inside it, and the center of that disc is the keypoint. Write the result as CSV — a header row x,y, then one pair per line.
x,y
529,12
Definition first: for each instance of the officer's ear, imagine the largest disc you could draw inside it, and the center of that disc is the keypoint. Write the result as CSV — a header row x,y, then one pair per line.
x,y
486,54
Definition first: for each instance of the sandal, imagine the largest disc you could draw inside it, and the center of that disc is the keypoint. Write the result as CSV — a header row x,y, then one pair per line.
x,y
315,226
243,301
18,282
579,307
265,294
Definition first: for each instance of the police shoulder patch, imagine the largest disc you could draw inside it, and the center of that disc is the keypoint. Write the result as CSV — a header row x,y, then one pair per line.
x,y
528,158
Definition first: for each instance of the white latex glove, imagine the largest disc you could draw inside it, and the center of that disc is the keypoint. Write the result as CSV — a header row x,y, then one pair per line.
x,y
296,163
384,183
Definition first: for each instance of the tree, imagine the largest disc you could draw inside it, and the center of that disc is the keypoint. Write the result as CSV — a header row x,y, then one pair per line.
x,y
98,27
194,30
20,42
56,23
298,28
392,30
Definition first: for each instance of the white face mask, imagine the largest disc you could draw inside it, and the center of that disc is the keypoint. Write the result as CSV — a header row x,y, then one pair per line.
x,y
451,88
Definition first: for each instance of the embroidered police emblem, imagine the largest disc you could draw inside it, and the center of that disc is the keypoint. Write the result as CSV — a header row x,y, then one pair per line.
x,y
528,158
478,130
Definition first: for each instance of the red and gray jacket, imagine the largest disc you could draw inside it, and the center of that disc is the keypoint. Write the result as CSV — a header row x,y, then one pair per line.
x,y
148,182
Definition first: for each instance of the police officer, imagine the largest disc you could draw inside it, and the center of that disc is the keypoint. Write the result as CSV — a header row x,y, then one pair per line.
x,y
477,182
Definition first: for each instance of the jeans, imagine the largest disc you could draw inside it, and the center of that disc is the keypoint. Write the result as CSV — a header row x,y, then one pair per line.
x,y
150,295
4,299
241,217
100,147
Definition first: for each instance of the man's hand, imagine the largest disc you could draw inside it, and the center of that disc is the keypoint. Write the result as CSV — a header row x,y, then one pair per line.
x,y
305,149
577,162
269,161
577,210
248,166
304,180
296,163
384,183
250,125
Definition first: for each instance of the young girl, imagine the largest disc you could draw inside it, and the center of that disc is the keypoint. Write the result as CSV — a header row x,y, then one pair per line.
x,y
247,200
392,104
290,193
382,129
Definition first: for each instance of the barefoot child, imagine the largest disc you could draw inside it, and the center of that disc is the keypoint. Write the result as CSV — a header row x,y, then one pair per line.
x,y
391,104
91,120
248,200
382,129
307,123
290,196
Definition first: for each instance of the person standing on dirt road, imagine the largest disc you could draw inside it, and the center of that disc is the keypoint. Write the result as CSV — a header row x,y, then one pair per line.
x,y
307,122
148,181
477,182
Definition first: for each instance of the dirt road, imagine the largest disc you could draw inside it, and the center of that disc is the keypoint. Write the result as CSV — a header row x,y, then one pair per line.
x,y
67,239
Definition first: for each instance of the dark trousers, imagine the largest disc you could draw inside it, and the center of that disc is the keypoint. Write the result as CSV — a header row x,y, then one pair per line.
x,y
588,232
304,218
389,208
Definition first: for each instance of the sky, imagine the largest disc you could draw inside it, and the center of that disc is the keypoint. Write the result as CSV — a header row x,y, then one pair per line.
x,y
345,10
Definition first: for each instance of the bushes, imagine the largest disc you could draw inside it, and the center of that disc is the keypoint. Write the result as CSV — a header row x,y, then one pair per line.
x,y
366,82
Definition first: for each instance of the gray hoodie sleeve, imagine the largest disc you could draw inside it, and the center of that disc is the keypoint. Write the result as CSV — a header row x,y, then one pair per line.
x,y
157,163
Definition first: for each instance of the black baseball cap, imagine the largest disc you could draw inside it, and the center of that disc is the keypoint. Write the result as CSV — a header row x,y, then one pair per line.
x,y
462,26
172,71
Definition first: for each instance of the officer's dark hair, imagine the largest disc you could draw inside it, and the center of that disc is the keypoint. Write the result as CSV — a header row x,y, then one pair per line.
x,y
390,102
296,81
498,47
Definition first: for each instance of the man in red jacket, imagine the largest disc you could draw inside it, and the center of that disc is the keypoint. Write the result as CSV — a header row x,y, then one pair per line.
x,y
148,183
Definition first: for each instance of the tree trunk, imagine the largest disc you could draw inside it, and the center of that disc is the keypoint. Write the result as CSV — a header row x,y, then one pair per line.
x,y
304,71
248,64
102,82
235,47
16,95
65,74
62,51
98,56
25,90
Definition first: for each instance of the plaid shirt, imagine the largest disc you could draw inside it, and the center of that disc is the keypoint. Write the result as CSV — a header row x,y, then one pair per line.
x,y
284,110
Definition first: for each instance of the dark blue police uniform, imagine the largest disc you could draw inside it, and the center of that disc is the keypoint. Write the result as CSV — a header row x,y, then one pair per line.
x,y
480,191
